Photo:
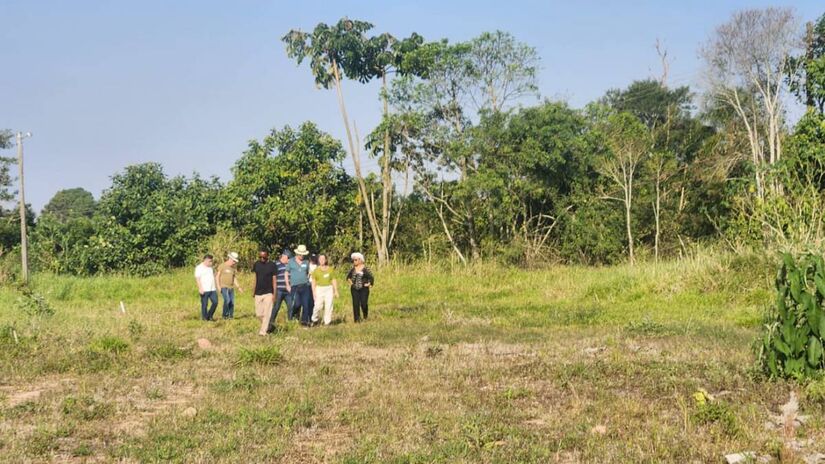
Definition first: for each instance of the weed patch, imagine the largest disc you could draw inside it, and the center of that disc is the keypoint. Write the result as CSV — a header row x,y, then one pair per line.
x,y
263,356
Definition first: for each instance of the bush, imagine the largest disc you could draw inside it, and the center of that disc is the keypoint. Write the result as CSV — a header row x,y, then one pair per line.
x,y
791,346
33,303
266,355
168,351
109,345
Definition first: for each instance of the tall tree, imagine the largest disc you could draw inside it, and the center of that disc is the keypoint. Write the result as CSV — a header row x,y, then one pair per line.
x,y
6,137
345,50
628,142
745,62
486,75
806,72
70,204
290,188
148,222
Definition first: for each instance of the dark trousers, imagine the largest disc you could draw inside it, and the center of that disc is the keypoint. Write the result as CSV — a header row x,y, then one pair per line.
x,y
360,302
302,297
281,296
228,295
207,297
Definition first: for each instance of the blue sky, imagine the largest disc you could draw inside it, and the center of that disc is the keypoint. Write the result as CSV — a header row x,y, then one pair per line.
x,y
105,84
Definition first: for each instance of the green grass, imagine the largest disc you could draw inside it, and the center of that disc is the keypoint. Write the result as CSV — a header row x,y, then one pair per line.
x,y
483,364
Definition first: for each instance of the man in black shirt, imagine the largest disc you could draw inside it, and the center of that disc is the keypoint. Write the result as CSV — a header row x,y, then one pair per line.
x,y
264,289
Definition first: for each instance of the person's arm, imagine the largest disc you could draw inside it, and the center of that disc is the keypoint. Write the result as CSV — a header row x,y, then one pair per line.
x,y
368,279
335,286
314,287
218,281
275,281
235,282
286,280
349,276
198,280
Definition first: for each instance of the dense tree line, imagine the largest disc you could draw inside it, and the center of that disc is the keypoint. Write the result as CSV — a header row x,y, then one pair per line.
x,y
473,166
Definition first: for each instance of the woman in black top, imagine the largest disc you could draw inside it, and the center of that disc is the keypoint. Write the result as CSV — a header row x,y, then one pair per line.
x,y
360,280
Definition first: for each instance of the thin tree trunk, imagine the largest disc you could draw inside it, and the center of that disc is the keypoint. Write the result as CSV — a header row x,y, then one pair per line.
x,y
356,161
628,198
386,176
656,211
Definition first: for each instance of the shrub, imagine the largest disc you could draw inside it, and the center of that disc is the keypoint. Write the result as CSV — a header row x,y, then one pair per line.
x,y
791,346
86,408
109,345
33,304
266,355
168,351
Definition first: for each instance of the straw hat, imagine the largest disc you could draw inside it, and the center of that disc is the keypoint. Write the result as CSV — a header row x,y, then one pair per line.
x,y
233,256
301,250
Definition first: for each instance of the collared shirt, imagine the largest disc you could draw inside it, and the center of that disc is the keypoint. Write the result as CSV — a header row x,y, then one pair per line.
x,y
298,273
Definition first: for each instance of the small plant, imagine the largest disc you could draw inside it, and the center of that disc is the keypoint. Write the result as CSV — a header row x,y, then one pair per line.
x,y
713,411
168,351
792,345
34,304
136,329
815,391
86,408
265,355
109,345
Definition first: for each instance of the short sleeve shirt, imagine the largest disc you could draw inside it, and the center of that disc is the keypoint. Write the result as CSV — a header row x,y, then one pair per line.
x,y
206,277
264,272
226,275
323,278
298,273
281,270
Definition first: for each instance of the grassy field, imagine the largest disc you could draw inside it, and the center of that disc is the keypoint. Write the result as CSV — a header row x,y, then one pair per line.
x,y
568,364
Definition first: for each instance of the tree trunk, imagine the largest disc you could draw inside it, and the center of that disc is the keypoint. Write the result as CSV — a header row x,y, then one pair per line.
x,y
386,177
656,211
628,196
356,161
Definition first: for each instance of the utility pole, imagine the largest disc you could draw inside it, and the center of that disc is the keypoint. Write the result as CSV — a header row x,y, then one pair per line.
x,y
24,245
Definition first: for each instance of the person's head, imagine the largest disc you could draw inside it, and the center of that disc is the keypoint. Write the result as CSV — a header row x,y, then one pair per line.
x,y
322,260
284,258
313,259
207,260
301,252
357,258
263,256
232,258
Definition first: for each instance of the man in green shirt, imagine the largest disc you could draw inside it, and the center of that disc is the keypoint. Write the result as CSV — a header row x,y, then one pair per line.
x,y
227,281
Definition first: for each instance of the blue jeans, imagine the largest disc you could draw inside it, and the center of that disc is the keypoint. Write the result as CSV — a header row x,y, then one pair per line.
x,y
228,295
207,297
281,296
302,297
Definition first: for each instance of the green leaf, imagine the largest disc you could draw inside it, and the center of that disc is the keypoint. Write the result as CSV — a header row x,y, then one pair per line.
x,y
821,326
794,367
782,347
796,285
814,352
781,306
772,364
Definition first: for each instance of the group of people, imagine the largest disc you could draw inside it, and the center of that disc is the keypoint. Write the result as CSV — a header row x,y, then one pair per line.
x,y
306,284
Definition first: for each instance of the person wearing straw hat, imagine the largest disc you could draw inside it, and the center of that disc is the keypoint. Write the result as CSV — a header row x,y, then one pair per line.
x,y
360,279
297,283
227,282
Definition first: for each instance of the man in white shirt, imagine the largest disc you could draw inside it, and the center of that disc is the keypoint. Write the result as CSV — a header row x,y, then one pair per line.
x,y
205,277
